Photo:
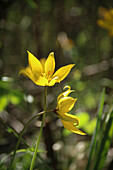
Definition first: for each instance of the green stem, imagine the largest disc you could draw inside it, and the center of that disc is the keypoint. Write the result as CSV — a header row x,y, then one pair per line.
x,y
40,133
19,139
17,144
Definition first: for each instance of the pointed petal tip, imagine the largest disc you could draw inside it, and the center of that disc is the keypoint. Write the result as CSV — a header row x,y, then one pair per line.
x,y
79,132
62,72
73,65
82,133
28,51
75,99
68,87
22,71
52,54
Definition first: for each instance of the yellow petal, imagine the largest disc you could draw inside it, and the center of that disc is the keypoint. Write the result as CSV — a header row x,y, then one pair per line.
x,y
62,72
42,61
52,82
69,118
65,94
50,64
104,24
41,81
69,126
35,64
27,72
66,104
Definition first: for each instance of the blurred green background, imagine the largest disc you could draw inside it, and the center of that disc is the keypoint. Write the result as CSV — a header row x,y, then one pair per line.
x,y
69,28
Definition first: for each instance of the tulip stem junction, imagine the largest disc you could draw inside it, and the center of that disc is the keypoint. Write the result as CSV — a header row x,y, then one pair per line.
x,y
40,132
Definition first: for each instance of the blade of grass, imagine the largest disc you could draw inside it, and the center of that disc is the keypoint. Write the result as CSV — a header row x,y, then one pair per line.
x,y
105,143
94,137
101,134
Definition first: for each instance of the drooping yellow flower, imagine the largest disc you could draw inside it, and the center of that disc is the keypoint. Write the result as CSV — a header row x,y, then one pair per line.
x,y
41,72
64,105
106,20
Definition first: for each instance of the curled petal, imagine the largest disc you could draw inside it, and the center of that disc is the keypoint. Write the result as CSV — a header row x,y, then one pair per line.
x,y
66,104
68,87
69,118
41,81
27,72
50,64
62,72
69,126
35,64
65,94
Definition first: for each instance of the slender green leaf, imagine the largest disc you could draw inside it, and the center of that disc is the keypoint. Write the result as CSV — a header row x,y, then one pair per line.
x,y
94,138
105,143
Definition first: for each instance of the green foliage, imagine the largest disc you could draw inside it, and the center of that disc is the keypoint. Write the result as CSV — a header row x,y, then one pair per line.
x,y
26,161
90,127
104,142
3,167
84,119
85,123
32,4
94,138
66,132
80,85
82,39
9,95
3,103
101,139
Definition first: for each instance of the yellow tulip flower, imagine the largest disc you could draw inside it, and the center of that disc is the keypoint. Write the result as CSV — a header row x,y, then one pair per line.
x,y
41,72
64,105
106,20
